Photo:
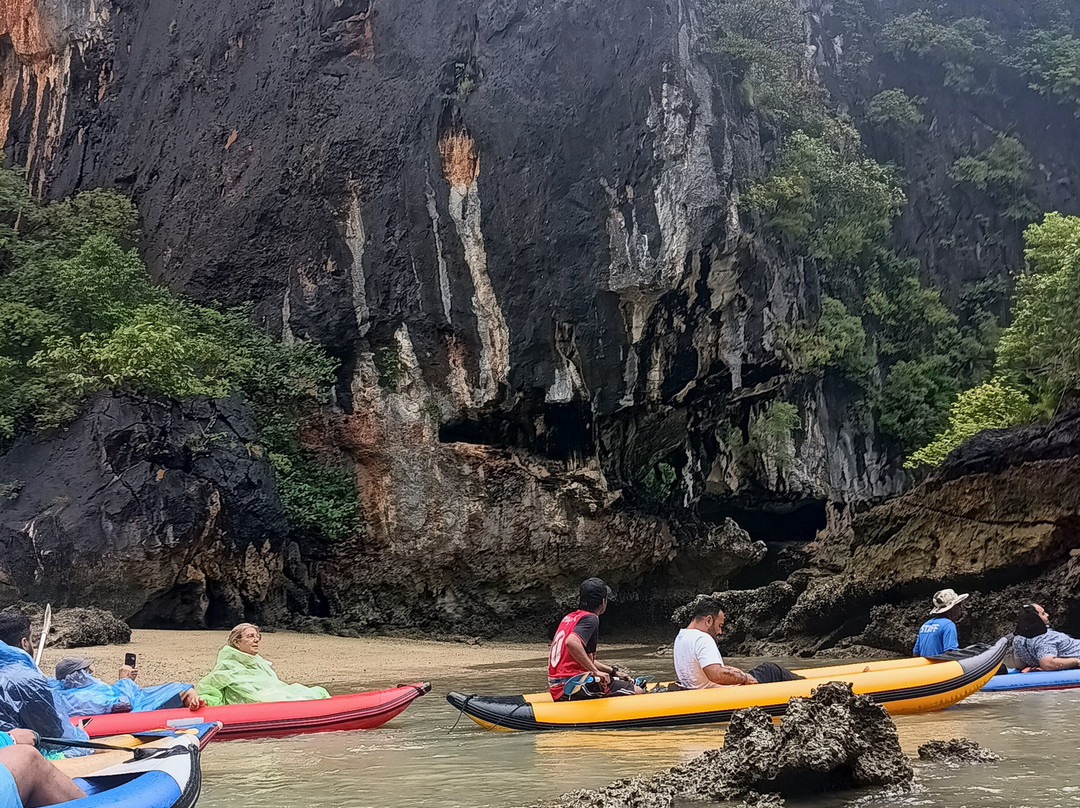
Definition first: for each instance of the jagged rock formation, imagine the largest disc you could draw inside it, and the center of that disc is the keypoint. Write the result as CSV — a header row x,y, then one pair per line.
x,y
956,751
833,740
162,513
517,227
1001,520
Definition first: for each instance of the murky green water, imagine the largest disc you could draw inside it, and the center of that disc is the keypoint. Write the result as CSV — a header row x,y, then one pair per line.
x,y
426,757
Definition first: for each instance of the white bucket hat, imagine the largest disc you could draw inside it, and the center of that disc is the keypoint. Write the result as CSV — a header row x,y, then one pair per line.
x,y
946,599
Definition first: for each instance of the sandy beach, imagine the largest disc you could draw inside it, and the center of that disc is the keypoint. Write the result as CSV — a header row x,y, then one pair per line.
x,y
338,663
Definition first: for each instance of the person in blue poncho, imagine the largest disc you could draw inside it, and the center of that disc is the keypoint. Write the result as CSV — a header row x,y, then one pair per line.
x,y
85,694
26,700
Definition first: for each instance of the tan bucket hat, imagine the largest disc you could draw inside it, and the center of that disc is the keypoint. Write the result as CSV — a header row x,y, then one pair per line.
x,y
946,599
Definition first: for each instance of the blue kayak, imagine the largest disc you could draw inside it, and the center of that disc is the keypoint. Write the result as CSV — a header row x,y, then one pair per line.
x,y
161,770
1034,680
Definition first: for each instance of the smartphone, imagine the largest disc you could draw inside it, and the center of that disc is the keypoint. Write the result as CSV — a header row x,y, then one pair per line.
x,y
129,660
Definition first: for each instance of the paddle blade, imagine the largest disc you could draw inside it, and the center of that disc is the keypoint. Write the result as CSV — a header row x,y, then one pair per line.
x,y
575,683
46,624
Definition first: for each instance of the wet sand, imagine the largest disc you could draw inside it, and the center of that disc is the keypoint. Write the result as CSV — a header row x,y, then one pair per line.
x,y
338,663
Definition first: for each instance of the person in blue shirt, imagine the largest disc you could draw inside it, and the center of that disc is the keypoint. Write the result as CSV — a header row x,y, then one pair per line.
x,y
938,634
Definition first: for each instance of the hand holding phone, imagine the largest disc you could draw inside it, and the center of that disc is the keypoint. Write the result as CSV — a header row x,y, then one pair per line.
x,y
129,660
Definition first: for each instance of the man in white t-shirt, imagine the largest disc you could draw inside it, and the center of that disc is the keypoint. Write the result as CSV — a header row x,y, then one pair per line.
x,y
698,663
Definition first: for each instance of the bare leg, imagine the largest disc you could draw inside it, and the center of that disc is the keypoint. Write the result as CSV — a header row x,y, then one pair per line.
x,y
39,782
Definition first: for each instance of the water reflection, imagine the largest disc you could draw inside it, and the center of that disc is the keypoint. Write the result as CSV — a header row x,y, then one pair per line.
x,y
428,757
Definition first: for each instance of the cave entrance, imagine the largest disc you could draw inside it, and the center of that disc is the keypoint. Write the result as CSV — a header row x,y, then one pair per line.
x,y
771,524
562,432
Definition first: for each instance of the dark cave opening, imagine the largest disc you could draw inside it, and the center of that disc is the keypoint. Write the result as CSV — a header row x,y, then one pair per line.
x,y
799,522
562,432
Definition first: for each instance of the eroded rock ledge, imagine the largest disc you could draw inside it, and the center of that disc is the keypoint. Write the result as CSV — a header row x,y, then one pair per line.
x,y
833,740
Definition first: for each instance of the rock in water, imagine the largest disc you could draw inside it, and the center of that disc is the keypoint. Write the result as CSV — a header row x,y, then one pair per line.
x,y
833,740
77,628
956,751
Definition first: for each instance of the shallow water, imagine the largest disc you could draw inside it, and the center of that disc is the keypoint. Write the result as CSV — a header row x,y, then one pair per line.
x,y
426,757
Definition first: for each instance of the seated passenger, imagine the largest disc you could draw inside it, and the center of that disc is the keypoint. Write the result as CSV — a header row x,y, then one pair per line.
x,y
1038,645
698,663
938,634
85,694
26,700
573,649
241,676
26,778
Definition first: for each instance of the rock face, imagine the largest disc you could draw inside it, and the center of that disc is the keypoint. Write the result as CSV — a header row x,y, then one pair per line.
x,y
517,226
833,740
956,751
79,628
1000,520
159,513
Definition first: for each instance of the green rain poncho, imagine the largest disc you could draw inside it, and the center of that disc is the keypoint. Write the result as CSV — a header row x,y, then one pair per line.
x,y
240,678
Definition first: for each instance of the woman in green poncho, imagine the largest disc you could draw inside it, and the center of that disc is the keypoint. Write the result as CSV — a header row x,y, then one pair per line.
x,y
242,676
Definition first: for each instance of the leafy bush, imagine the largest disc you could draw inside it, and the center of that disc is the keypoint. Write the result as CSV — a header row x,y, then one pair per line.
x,y
659,482
895,111
769,434
915,398
1051,62
1003,167
827,197
836,339
320,498
1042,344
966,49
993,405
79,314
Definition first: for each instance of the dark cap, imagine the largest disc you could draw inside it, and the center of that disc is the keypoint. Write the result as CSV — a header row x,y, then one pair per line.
x,y
69,664
593,591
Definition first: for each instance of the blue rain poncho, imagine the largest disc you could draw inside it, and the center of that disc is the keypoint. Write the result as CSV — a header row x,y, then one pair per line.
x,y
240,678
84,694
27,701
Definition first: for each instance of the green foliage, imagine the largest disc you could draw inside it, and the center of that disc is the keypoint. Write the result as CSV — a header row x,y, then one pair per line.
x,y
915,398
1042,344
993,405
895,111
659,482
320,498
388,367
1003,168
835,339
760,45
827,197
79,314
769,434
1050,60
966,49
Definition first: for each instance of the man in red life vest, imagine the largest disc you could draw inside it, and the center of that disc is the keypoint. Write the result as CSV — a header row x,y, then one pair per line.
x,y
573,650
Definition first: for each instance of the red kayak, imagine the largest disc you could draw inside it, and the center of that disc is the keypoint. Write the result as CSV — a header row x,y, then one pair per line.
x,y
271,719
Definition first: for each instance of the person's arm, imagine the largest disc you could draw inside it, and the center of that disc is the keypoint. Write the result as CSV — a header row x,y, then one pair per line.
x,y
728,675
577,651
1055,663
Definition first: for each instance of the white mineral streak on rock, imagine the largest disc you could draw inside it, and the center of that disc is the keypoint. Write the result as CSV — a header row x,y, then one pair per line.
x,y
567,376
440,257
686,196
461,164
356,241
287,335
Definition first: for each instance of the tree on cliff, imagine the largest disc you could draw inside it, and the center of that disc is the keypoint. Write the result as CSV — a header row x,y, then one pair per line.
x,y
80,314
1038,357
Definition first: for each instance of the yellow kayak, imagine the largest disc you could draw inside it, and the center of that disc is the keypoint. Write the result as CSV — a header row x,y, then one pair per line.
x,y
916,685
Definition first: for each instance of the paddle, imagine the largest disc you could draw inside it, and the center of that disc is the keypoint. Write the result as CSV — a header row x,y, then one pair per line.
x,y
137,751
575,683
46,624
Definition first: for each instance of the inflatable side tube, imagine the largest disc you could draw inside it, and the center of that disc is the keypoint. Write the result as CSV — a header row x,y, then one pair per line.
x,y
1035,680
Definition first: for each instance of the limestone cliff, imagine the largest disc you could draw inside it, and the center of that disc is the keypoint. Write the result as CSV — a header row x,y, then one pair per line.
x,y
517,226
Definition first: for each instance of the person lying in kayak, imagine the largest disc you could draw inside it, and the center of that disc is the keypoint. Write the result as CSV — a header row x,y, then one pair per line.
x,y
26,778
1039,646
698,662
573,649
938,634
241,676
26,700
85,694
